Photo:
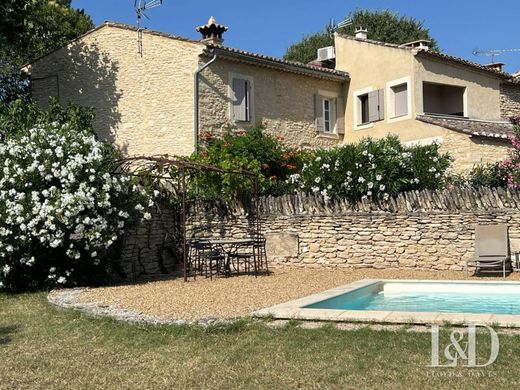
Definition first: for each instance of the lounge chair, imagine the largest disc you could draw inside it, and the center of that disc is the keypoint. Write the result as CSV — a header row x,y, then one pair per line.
x,y
491,250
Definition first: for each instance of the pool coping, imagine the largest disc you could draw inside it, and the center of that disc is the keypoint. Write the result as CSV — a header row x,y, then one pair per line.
x,y
294,309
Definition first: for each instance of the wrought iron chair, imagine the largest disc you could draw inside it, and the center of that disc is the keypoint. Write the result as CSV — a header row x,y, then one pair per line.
x,y
244,254
259,248
253,256
205,258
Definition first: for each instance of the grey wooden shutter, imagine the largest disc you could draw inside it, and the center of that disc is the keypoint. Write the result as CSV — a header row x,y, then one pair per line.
x,y
373,106
45,88
318,113
340,121
376,105
239,100
400,100
381,106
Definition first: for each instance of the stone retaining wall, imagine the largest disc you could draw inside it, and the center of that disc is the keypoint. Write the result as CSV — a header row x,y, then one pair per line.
x,y
423,230
426,230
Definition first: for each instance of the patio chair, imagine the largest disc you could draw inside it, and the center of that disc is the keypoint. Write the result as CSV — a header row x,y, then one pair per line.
x,y
252,256
206,258
491,250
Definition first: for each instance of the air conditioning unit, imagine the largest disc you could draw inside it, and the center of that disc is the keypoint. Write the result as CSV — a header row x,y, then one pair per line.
x,y
326,53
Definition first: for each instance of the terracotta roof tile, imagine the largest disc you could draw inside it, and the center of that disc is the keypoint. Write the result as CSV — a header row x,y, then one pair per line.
x,y
297,67
478,128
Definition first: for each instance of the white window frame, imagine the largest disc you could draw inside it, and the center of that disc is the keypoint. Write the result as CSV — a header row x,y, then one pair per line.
x,y
250,80
357,109
390,102
332,97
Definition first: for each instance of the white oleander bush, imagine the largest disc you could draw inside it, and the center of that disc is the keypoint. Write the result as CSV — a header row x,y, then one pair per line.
x,y
61,208
372,169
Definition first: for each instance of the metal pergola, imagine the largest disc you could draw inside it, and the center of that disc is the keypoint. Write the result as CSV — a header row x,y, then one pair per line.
x,y
160,168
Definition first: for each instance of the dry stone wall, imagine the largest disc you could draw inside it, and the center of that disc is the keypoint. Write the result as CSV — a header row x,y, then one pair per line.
x,y
422,230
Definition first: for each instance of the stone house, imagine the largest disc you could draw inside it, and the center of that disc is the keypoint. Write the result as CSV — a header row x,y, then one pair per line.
x,y
425,96
160,100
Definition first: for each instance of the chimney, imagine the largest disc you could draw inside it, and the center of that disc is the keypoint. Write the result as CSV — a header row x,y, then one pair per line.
x,y
496,66
420,44
212,32
361,33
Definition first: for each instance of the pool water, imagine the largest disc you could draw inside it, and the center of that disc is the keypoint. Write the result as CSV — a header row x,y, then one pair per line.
x,y
429,297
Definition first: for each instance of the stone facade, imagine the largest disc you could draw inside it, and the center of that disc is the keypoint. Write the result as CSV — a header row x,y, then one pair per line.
x,y
423,230
142,104
510,100
145,104
283,102
468,151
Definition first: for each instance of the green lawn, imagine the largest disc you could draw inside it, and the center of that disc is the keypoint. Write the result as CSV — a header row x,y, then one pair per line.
x,y
43,347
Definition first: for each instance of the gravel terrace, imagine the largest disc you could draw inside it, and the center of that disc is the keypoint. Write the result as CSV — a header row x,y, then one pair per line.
x,y
232,297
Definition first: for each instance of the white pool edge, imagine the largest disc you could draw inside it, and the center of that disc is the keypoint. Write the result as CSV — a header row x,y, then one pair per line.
x,y
294,309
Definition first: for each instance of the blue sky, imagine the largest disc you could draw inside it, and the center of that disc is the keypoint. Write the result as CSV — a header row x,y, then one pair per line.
x,y
270,26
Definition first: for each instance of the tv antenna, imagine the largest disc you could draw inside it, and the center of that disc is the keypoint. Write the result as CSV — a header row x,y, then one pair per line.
x,y
493,52
140,7
333,27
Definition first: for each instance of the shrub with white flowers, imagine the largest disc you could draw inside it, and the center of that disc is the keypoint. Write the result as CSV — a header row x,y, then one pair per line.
x,y
61,209
372,169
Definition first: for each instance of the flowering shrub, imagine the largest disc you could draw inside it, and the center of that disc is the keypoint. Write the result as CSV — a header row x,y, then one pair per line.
x,y
60,208
375,169
250,150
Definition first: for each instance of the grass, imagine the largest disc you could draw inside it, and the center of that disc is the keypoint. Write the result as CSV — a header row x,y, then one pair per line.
x,y
44,347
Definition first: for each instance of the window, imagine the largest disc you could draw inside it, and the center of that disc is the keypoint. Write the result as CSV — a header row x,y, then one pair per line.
x,y
363,101
400,100
328,113
443,99
45,88
241,99
369,107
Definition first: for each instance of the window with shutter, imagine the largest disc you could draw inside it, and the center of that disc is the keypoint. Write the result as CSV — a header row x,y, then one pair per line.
x,y
45,88
400,93
381,104
241,95
370,107
340,112
325,112
364,106
318,113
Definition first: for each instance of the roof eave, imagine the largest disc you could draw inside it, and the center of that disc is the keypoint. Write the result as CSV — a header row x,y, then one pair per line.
x,y
453,60
280,65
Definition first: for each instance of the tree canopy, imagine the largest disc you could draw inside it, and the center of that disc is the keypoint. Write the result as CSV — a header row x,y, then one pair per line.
x,y
30,29
386,26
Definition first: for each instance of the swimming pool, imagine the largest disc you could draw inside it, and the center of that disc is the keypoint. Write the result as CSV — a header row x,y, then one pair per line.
x,y
409,301
458,297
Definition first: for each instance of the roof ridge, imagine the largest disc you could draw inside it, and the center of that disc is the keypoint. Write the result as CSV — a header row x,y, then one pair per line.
x,y
431,53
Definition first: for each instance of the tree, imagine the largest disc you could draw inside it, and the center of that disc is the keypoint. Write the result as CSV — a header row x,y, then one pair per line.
x,y
30,29
385,26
